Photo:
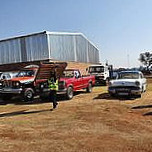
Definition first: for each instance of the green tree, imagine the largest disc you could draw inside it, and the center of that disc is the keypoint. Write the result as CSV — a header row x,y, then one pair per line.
x,y
146,58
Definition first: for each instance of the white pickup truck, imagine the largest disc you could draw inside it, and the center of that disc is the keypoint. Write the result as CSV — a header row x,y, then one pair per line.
x,y
128,83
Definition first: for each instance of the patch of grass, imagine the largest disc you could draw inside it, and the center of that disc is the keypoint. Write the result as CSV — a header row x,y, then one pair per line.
x,y
149,87
100,88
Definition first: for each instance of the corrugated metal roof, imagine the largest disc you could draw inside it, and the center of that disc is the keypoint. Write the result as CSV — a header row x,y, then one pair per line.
x,y
52,33
61,46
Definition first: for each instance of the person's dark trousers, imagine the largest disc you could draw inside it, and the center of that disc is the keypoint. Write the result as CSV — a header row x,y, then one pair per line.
x,y
53,98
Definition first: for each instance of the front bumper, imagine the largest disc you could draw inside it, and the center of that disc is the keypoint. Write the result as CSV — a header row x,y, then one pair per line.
x,y
11,91
125,91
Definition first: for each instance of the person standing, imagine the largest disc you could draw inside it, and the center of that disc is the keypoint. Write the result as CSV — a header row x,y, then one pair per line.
x,y
53,86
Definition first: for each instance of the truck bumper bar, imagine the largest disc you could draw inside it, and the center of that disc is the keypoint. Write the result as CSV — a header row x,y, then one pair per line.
x,y
11,91
126,92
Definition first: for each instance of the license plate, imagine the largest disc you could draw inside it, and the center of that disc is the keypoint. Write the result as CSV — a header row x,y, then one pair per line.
x,y
123,89
8,90
46,90
123,94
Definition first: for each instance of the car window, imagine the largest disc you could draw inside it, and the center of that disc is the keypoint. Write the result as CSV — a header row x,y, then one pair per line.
x,y
77,74
128,75
26,73
96,69
68,74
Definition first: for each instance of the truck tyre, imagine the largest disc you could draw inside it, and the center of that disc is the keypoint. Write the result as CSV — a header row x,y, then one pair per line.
x,y
28,94
89,88
138,96
69,94
112,95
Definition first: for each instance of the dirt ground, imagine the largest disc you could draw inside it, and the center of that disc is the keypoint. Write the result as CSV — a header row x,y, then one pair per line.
x,y
91,122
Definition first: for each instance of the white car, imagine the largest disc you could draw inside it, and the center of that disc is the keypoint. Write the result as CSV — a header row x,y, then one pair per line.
x,y
128,83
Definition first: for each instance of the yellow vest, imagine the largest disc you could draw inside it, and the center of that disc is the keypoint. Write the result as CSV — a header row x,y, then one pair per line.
x,y
53,85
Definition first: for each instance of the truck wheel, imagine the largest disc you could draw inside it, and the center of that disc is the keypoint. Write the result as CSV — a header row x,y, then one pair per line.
x,y
28,94
112,95
69,93
89,88
138,96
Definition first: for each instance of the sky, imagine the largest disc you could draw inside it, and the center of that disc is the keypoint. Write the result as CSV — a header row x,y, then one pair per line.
x,y
121,29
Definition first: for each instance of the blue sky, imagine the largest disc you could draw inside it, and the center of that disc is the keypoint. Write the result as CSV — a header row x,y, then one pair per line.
x,y
121,29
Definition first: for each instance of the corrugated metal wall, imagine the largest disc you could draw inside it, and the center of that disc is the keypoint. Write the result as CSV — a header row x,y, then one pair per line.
x,y
28,48
10,51
61,47
36,47
41,46
72,48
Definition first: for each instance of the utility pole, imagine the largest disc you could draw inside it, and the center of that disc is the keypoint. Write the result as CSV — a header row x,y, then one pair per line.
x,y
128,62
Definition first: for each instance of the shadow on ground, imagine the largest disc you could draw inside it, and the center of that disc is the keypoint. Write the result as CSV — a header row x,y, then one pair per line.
x,y
147,114
22,112
142,107
108,97
37,100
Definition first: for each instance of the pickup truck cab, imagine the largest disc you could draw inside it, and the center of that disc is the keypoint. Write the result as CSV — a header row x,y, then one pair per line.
x,y
71,81
128,83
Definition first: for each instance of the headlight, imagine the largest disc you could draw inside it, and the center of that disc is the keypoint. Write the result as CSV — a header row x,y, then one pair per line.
x,y
137,83
41,86
16,84
1,84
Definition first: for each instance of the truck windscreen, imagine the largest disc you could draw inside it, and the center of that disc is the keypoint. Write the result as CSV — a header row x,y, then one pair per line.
x,y
96,69
26,73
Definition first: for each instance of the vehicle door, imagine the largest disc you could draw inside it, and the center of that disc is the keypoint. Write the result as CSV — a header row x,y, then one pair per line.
x,y
78,84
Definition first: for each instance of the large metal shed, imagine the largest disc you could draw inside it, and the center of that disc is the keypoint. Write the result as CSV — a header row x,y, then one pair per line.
x,y
48,45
